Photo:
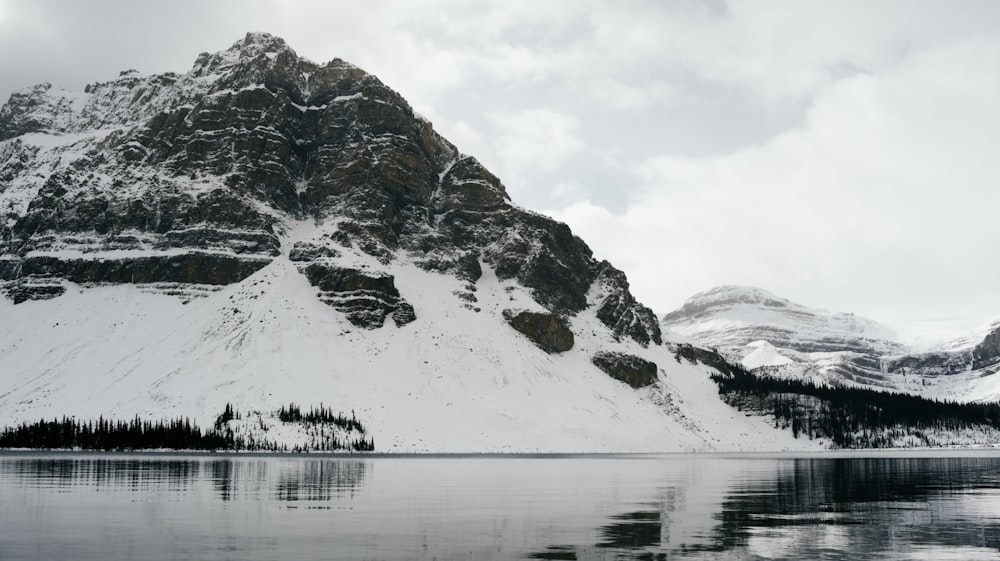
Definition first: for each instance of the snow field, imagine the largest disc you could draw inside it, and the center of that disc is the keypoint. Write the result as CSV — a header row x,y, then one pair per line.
x,y
455,380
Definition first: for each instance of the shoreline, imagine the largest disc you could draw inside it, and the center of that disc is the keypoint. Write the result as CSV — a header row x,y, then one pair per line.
x,y
868,453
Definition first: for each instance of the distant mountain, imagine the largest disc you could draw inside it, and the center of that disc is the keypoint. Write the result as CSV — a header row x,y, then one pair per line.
x,y
264,230
770,334
729,316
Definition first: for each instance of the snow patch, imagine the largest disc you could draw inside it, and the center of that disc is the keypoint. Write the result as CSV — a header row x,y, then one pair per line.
x,y
763,354
342,98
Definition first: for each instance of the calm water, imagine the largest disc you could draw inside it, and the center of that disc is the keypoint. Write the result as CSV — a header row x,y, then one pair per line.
x,y
99,507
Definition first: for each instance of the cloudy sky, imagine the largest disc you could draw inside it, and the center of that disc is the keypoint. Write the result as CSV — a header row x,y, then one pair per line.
x,y
845,155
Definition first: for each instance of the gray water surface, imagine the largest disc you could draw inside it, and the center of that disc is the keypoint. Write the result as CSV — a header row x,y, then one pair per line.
x,y
110,507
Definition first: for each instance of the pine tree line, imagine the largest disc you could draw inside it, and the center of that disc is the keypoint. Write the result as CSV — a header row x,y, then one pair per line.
x,y
228,414
109,435
333,443
182,434
850,417
319,415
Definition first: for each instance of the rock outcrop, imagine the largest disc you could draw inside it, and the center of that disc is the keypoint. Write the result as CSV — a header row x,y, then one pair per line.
x,y
630,369
365,298
548,331
987,353
623,314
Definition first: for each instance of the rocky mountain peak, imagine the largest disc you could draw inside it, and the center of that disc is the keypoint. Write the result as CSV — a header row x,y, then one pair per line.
x,y
261,40
201,179
258,59
250,47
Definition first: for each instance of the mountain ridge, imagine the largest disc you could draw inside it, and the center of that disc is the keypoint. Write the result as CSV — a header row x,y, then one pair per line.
x,y
767,333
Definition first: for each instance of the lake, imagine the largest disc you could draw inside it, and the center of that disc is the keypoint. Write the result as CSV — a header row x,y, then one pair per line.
x,y
218,507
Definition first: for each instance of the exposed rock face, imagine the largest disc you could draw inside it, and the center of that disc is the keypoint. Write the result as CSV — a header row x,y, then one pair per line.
x,y
192,268
468,267
707,357
548,331
309,251
365,298
987,353
28,288
623,314
928,364
152,174
632,370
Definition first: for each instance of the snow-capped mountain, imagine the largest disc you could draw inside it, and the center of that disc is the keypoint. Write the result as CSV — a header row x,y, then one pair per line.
x,y
764,331
263,229
729,316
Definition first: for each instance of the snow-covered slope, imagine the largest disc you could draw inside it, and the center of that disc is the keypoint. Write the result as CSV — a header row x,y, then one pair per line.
x,y
774,335
456,380
263,230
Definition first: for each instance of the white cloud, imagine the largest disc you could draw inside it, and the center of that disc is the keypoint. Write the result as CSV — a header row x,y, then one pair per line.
x,y
535,138
786,50
624,95
885,196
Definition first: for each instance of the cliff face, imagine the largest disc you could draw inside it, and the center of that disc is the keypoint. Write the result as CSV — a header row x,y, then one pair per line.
x,y
197,179
987,353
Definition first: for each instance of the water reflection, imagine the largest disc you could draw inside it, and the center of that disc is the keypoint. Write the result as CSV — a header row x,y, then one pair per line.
x,y
99,507
320,481
882,508
555,552
132,474
231,478
818,506
633,530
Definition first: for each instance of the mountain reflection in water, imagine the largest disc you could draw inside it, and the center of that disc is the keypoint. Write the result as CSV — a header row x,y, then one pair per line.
x,y
93,506
293,480
843,508
299,480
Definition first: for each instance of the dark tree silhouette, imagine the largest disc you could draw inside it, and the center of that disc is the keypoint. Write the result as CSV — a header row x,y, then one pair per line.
x,y
850,417
182,434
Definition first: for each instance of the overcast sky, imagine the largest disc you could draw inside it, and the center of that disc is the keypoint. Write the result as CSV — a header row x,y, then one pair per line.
x,y
845,155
